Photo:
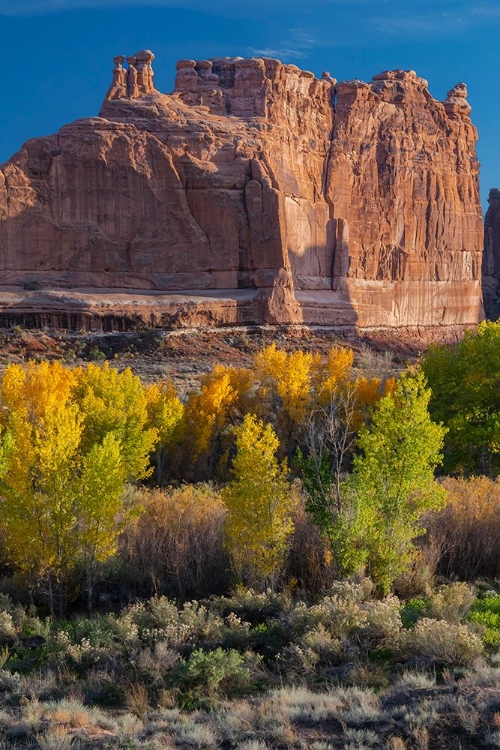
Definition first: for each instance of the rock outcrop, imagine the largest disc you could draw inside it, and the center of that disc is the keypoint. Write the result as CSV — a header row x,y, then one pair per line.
x,y
491,257
266,193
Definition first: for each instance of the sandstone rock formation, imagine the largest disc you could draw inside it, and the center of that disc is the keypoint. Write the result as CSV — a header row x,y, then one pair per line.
x,y
271,195
491,257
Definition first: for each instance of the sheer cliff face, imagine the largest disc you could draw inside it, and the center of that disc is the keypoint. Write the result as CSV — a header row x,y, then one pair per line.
x,y
491,257
403,182
305,201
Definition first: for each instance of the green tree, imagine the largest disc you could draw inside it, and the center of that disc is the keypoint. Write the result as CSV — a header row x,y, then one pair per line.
x,y
371,517
465,383
393,478
259,502
101,514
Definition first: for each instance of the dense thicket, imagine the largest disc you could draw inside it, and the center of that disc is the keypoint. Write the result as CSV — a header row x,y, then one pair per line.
x,y
316,470
465,383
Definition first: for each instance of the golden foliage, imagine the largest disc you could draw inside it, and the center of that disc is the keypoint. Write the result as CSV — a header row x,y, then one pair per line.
x,y
70,441
259,501
334,372
225,396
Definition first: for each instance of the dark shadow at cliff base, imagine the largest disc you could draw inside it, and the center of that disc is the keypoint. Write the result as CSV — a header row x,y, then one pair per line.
x,y
320,287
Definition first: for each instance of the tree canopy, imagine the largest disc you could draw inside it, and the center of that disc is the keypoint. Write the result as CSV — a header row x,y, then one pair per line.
x,y
465,383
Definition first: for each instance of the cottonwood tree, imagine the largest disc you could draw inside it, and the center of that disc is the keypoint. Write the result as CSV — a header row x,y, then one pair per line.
x,y
42,429
285,385
224,397
260,504
165,414
71,439
329,440
116,402
371,516
331,433
465,383
393,484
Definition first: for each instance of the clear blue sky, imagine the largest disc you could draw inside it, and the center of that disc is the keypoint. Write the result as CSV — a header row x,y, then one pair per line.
x,y
57,54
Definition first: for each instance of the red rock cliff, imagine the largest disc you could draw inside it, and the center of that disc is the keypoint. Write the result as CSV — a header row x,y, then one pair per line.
x,y
254,192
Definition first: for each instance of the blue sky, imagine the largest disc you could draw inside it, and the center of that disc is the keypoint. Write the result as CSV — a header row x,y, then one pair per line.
x,y
57,54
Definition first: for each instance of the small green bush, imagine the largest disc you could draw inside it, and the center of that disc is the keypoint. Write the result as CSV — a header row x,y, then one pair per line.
x,y
486,613
209,674
413,610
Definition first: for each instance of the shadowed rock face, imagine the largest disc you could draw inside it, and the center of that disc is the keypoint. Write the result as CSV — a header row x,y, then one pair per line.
x,y
491,257
266,193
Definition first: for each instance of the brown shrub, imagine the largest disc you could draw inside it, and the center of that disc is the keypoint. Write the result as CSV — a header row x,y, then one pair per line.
x,y
309,566
176,545
467,529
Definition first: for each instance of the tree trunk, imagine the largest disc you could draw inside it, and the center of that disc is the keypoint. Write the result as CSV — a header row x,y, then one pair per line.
x,y
89,586
51,597
61,599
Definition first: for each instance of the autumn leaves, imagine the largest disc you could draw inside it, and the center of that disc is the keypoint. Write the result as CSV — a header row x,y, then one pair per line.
x,y
293,433
71,440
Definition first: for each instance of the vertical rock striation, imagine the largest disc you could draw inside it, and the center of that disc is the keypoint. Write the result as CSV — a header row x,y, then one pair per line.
x,y
403,185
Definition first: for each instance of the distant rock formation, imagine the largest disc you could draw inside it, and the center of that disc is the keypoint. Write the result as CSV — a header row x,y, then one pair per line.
x,y
491,257
254,193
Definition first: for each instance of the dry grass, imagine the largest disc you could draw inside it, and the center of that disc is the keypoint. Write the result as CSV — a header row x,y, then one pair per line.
x,y
348,640
56,739
416,713
137,698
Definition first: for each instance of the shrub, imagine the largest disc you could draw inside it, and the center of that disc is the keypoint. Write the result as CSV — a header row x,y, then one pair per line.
x,y
441,643
176,545
206,674
8,632
348,614
253,606
383,621
467,529
309,567
413,610
339,617
486,613
453,602
160,620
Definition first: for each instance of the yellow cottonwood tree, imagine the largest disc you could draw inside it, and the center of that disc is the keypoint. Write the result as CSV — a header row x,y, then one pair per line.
x,y
224,397
332,374
165,414
115,402
259,502
70,441
42,431
101,512
285,387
